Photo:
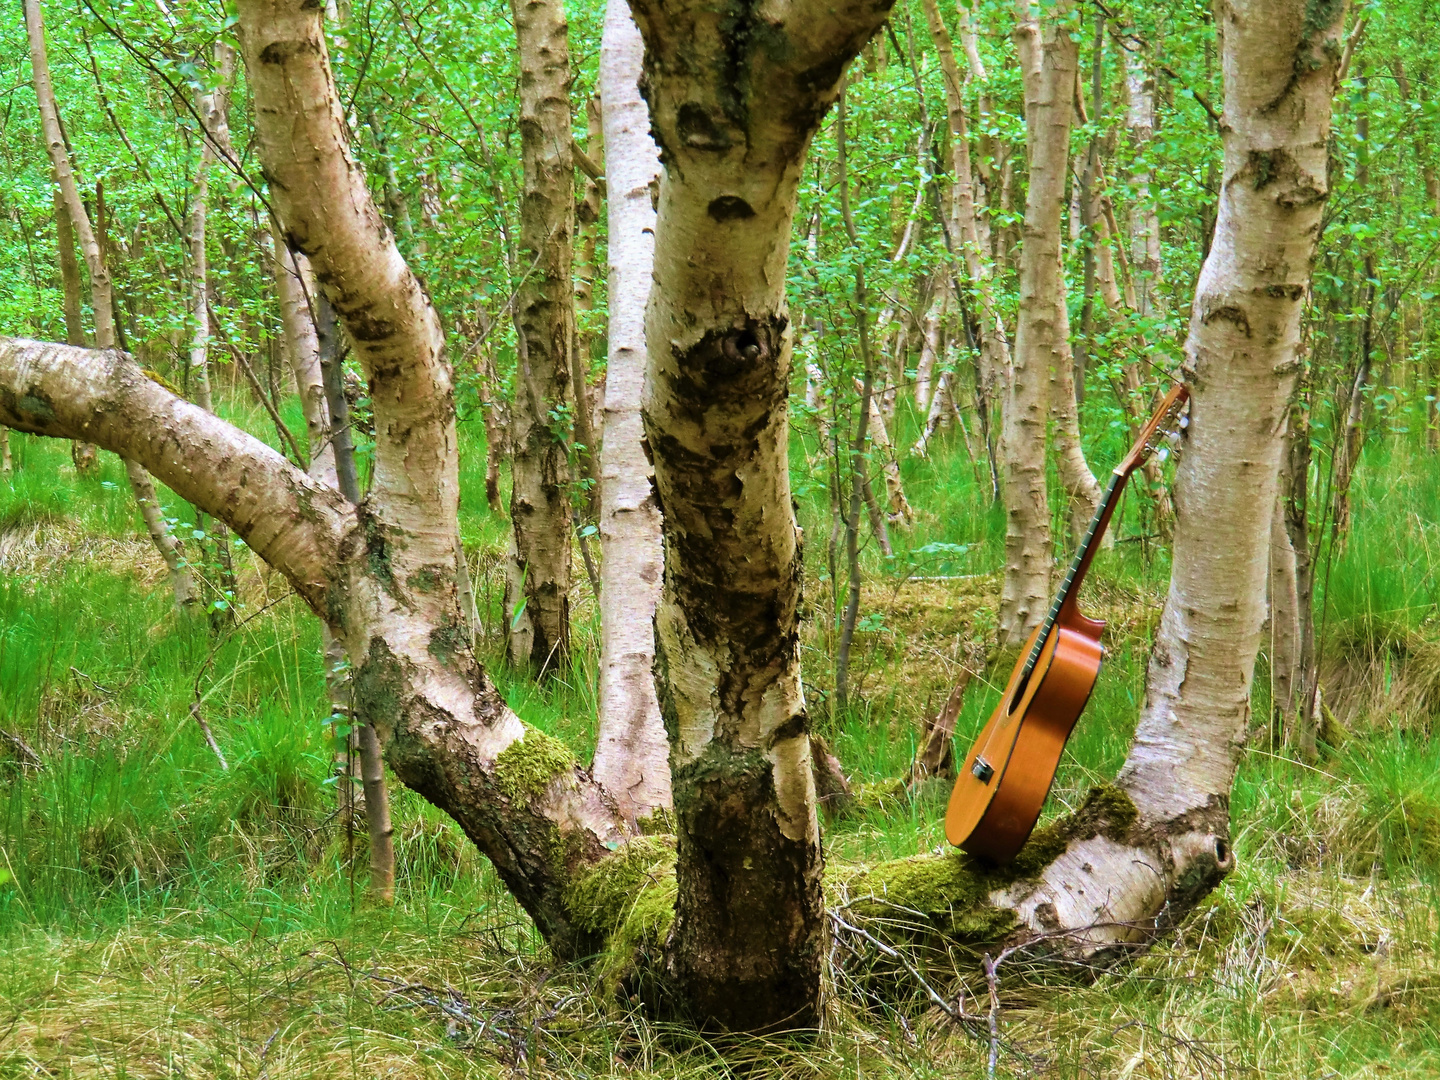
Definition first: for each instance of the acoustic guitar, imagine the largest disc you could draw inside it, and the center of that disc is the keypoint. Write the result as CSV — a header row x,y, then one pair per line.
x,y
1007,774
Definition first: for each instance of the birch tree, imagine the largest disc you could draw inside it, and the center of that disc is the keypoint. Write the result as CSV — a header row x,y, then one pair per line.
x,y
632,754
1048,59
538,589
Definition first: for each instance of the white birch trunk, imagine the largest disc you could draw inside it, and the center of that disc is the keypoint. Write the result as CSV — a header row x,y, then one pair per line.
x,y
539,571
1242,357
632,757
1049,85
734,110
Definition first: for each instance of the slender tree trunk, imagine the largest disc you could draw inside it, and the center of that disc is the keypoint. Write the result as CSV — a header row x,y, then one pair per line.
x,y
969,231
899,511
310,355
395,204
632,756
1050,61
925,373
83,454
212,107
1041,360
101,294
868,415
1295,493
497,429
587,450
538,594
1284,626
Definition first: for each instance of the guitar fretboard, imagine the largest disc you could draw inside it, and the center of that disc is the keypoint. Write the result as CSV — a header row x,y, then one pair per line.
x,y
1069,584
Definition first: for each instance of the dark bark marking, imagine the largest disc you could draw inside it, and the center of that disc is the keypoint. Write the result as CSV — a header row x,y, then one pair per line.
x,y
734,859
730,208
699,131
282,52
1229,312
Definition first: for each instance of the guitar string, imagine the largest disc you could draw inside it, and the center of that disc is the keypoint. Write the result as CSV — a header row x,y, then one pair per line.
x,y
1111,490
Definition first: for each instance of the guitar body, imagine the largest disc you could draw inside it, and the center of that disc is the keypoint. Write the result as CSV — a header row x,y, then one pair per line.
x,y
1022,743
1008,772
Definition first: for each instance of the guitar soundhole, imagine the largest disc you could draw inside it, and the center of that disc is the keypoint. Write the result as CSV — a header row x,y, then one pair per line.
x,y
1016,697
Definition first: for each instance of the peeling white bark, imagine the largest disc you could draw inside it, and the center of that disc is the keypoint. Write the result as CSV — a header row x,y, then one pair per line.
x,y
1279,76
734,104
632,758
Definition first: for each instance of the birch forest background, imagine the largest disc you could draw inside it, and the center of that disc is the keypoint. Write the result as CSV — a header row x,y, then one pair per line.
x,y
235,843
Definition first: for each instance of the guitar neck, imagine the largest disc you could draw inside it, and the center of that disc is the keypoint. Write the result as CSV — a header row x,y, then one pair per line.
x,y
1078,566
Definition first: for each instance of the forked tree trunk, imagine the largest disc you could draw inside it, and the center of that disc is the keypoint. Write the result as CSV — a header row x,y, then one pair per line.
x,y
1049,62
539,574
632,756
734,103
101,296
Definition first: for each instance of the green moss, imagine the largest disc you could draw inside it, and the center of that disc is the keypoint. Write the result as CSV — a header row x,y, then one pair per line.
x,y
659,823
526,767
599,900
950,891
635,948
379,687
427,579
156,377
1106,811
447,639
377,549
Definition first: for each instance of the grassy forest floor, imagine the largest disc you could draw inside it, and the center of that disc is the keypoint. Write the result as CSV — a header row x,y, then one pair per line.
x,y
162,917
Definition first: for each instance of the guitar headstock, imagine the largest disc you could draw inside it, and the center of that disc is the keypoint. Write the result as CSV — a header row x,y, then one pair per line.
x,y
1166,422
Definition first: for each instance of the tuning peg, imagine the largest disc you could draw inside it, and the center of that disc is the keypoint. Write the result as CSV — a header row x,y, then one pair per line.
x,y
1184,421
1162,455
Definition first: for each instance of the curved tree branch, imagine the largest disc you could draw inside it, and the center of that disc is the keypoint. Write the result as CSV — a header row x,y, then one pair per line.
x,y
102,396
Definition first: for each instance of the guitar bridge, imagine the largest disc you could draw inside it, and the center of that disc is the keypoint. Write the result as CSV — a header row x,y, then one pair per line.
x,y
982,770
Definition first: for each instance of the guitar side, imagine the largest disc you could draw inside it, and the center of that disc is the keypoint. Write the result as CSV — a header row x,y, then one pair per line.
x,y
994,819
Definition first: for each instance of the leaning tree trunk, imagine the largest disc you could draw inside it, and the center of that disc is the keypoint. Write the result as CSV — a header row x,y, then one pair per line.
x,y
1241,360
537,606
734,103
632,756
101,296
